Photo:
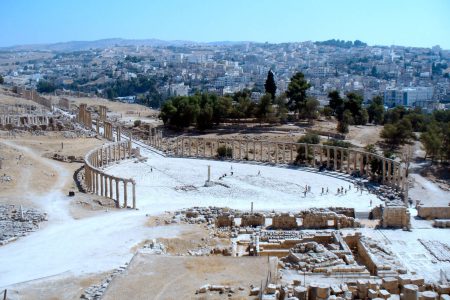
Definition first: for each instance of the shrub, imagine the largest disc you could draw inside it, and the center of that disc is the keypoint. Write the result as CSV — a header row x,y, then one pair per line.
x,y
224,151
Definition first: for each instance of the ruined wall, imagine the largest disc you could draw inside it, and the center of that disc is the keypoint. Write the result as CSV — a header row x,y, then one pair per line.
x,y
225,220
253,220
396,217
433,212
284,221
326,219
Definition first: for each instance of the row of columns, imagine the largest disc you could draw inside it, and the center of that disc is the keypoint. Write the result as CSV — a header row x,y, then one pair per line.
x,y
155,137
23,120
84,116
99,183
102,112
337,158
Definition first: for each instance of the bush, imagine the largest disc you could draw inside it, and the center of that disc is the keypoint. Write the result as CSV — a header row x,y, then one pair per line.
x,y
310,138
224,152
137,123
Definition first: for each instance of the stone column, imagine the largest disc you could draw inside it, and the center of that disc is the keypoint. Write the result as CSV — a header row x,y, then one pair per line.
x,y
254,150
328,157
284,153
125,200
367,164
240,149
196,148
117,193
189,146
261,152
389,171
384,170
292,153
349,162
335,158
306,154
110,188
106,185
246,151
321,155
101,184
276,152
361,164
134,194
342,160
314,156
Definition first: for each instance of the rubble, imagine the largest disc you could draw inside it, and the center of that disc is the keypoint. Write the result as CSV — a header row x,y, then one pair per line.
x,y
16,221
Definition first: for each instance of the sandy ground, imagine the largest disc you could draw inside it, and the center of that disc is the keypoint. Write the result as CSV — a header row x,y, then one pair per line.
x,y
177,277
60,287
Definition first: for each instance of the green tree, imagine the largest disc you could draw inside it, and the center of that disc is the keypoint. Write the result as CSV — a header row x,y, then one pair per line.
x,y
282,111
45,87
432,141
270,86
309,138
397,134
343,124
1,79
376,110
296,93
168,111
264,107
336,103
310,109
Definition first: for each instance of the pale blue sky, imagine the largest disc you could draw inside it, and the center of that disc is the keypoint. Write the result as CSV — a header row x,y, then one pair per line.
x,y
384,22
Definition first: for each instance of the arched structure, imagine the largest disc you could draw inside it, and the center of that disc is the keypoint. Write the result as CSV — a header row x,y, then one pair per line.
x,y
102,184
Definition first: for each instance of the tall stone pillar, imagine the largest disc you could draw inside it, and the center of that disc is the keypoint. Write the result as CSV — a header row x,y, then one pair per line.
x,y
349,162
189,146
117,193
106,185
314,156
246,151
134,194
292,152
276,152
321,156
342,160
284,153
384,170
110,188
328,157
306,154
240,149
261,151
389,171
125,196
101,184
335,158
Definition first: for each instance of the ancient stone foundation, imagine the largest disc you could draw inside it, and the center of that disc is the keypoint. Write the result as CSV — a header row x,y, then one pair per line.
x,y
396,217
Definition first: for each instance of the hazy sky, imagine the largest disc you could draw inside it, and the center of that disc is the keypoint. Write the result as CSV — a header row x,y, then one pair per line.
x,y
385,22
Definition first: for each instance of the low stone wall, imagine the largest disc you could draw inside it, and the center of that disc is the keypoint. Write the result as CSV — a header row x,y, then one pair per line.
x,y
253,220
326,219
284,221
427,212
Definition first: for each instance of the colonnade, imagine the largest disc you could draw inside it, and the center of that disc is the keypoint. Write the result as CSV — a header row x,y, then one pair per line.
x,y
84,116
102,109
345,160
25,120
155,137
99,183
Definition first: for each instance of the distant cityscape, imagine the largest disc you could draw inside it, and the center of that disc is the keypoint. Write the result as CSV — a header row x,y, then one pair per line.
x,y
150,73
